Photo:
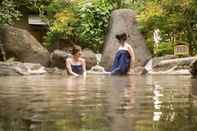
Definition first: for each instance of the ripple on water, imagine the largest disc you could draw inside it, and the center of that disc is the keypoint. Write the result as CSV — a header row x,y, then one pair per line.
x,y
99,103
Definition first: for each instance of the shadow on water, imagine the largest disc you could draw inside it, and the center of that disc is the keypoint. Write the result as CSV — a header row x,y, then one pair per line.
x,y
98,103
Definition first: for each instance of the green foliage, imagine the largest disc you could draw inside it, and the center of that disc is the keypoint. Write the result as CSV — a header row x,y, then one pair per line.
x,y
83,23
176,19
8,12
117,4
12,9
94,19
54,7
150,43
164,48
31,5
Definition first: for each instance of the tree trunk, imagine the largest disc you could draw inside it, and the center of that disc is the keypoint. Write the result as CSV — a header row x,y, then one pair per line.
x,y
190,33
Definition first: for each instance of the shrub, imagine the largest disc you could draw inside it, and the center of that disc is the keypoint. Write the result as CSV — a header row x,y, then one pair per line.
x,y
84,23
8,12
164,48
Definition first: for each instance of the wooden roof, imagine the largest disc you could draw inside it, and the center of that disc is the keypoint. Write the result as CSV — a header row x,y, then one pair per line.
x,y
35,20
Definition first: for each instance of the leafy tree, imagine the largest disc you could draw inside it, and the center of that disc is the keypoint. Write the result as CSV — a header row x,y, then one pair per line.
x,y
81,22
8,12
12,9
176,19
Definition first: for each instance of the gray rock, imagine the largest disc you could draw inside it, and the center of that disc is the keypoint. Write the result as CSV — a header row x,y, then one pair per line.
x,y
18,68
7,70
193,67
157,60
169,63
97,68
124,20
57,58
90,58
174,66
23,46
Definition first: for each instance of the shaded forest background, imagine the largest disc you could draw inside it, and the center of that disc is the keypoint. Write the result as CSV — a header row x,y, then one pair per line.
x,y
85,22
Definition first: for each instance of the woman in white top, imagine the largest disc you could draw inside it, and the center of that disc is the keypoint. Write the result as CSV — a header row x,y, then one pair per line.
x,y
124,56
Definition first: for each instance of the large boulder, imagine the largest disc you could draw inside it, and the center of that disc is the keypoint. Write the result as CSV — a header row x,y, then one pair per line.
x,y
90,58
15,68
58,57
124,20
23,46
169,65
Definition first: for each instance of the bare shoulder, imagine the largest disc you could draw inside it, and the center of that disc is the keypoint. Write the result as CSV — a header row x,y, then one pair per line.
x,y
68,60
128,46
82,60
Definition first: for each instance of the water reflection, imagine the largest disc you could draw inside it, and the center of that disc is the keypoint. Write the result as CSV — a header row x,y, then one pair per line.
x,y
194,88
175,105
121,102
98,103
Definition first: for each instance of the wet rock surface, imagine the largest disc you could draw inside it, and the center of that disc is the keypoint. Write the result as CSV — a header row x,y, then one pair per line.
x,y
175,66
193,69
18,68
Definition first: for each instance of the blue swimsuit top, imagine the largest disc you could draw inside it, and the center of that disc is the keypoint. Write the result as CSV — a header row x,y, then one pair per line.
x,y
78,69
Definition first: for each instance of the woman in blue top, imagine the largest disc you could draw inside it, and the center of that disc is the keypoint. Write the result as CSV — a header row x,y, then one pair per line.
x,y
76,65
124,56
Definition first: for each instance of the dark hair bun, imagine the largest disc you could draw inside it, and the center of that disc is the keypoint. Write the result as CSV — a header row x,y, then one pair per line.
x,y
118,36
122,36
76,49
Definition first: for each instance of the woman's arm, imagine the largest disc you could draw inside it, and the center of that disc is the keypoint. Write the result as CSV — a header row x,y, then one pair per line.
x,y
68,65
132,54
